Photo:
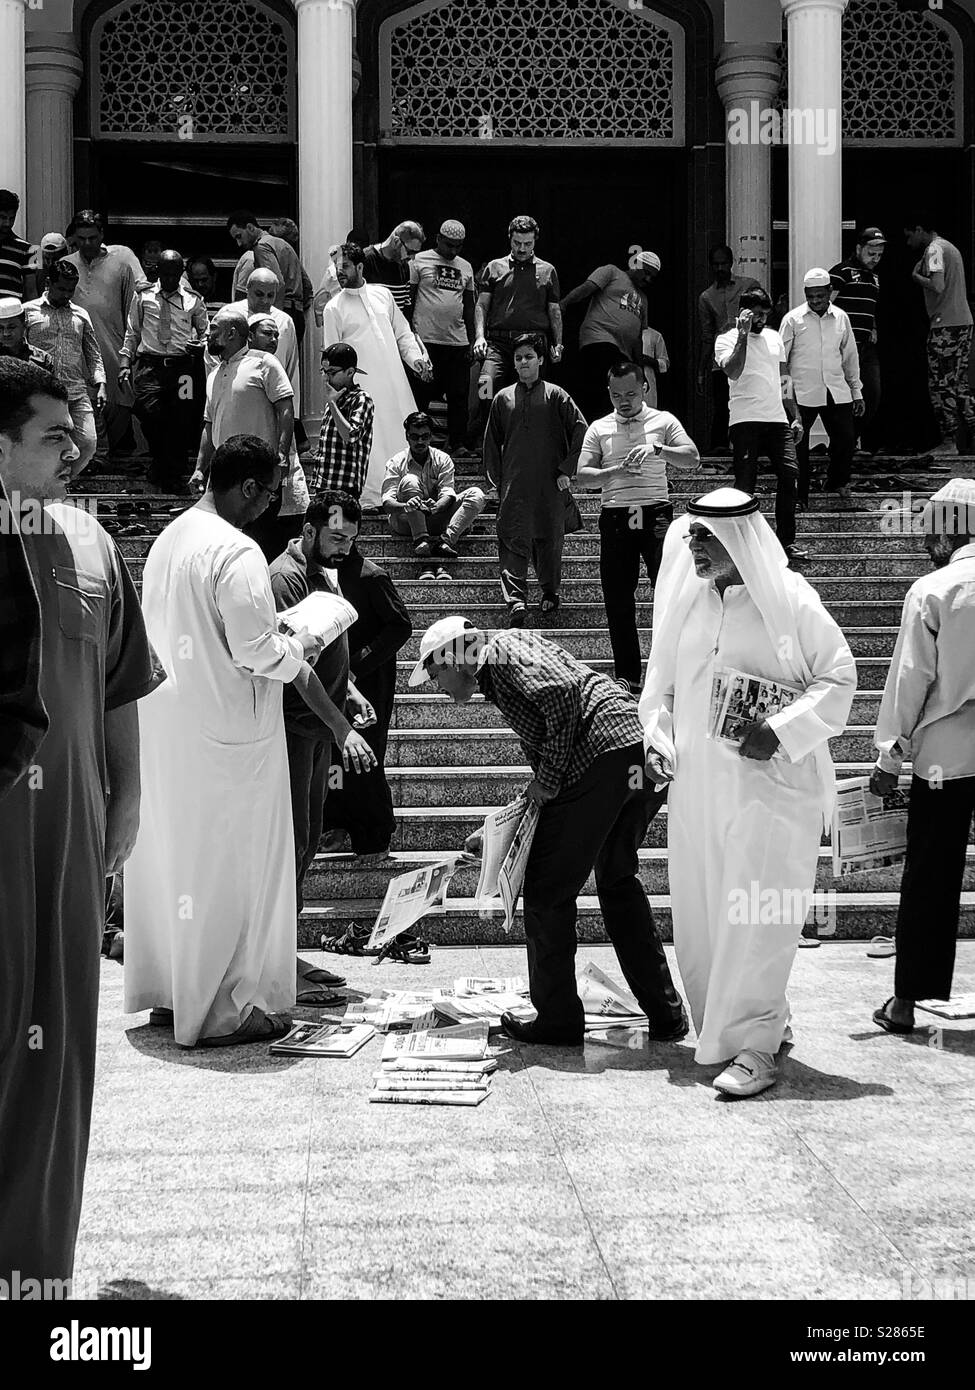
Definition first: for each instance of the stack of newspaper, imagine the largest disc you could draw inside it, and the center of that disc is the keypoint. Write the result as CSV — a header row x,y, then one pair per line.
x,y
396,1010
329,1038
607,1004
485,999
449,1066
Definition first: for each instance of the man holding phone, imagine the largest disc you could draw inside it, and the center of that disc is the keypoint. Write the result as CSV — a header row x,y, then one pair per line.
x,y
762,411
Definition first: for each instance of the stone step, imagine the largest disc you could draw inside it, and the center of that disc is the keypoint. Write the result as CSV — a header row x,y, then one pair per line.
x,y
872,640
855,916
444,829
437,712
895,569
417,593
463,748
591,615
336,876
871,673
861,515
496,784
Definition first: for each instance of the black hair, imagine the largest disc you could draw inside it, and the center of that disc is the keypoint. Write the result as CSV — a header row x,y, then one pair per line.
x,y
718,250
241,457
755,299
202,260
9,202
87,217
417,419
522,225
624,367
324,508
920,217
20,383
241,218
532,340
351,251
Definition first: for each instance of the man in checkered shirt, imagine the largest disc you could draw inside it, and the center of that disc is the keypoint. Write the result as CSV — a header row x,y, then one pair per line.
x,y
582,736
345,442
23,718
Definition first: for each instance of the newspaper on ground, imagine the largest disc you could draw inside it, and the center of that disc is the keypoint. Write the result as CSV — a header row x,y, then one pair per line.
x,y
411,896
324,614
468,1043
869,832
433,1066
738,699
391,1081
487,1007
395,1010
605,1003
324,1040
490,984
958,1006
427,1097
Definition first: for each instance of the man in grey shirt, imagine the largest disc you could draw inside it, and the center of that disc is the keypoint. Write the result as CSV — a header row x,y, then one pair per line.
x,y
941,275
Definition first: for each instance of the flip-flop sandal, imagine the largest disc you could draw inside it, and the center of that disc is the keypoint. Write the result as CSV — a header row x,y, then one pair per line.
x,y
319,997
549,604
443,573
808,943
257,1027
405,952
316,976
351,942
881,947
889,1025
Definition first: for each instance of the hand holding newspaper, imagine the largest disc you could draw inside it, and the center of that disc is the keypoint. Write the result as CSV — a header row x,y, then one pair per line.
x,y
738,700
869,832
506,844
324,614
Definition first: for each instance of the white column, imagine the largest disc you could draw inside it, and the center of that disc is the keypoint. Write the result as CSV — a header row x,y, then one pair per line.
x,y
53,78
747,78
12,113
325,52
815,161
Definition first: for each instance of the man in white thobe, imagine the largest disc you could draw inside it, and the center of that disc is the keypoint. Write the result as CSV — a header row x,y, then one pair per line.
x,y
367,317
744,822
210,888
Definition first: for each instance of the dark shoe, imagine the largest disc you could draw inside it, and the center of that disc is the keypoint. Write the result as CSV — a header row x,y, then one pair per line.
x,y
445,549
542,1037
423,549
161,1018
679,1030
890,1025
516,615
795,552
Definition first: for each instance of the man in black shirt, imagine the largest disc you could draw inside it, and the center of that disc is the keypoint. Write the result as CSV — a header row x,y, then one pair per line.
x,y
388,263
855,289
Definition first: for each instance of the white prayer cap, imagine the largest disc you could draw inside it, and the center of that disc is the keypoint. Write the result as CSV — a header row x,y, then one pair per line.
x,y
453,230
11,307
645,260
459,633
951,510
817,278
259,318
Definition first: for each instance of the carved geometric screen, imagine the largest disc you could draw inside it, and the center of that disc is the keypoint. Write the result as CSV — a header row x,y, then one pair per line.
x,y
560,71
902,77
192,70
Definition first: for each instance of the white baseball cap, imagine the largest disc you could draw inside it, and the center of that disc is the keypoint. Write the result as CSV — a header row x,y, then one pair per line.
x,y
817,278
440,635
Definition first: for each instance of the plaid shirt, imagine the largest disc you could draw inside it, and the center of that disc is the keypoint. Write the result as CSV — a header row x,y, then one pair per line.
x,y
23,718
338,465
565,714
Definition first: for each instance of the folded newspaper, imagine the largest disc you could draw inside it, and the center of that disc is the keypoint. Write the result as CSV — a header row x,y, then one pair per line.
x,y
324,614
607,1004
869,832
738,699
467,1043
506,843
412,895
324,1040
491,984
462,1008
394,1010
959,1006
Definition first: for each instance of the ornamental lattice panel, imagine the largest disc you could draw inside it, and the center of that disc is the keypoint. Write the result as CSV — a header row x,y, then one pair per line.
x,y
192,70
901,76
559,71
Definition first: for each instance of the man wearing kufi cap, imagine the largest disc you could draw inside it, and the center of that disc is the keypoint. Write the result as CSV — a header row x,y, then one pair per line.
x,y
821,359
927,715
615,322
442,288
746,811
13,340
855,289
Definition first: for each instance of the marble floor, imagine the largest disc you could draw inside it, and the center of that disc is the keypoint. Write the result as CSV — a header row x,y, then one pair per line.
x,y
613,1173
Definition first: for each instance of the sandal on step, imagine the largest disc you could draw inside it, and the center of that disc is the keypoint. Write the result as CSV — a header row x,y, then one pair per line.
x,y
406,950
351,942
549,603
257,1027
888,1024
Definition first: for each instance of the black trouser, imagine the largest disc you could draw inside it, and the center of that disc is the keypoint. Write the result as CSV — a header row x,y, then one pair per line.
x,y
628,535
600,821
309,760
870,381
592,391
840,426
164,389
749,441
719,411
361,802
938,823
451,379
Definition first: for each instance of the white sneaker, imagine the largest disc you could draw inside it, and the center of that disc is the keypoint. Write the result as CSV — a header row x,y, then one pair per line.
x,y
748,1074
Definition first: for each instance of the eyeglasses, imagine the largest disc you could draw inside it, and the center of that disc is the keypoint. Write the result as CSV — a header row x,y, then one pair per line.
x,y
271,492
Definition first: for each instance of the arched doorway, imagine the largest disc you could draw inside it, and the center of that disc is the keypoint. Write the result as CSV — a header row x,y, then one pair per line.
x,y
190,112
583,113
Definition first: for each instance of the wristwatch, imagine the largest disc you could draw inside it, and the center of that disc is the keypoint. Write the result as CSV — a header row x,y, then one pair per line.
x,y
657,449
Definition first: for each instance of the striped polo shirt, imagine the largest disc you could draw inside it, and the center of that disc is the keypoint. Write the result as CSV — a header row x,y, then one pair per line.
x,y
858,291
15,255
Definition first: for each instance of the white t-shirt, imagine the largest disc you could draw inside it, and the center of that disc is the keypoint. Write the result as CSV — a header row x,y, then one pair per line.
x,y
757,394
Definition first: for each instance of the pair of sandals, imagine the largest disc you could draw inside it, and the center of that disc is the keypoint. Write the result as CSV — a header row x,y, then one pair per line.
x,y
131,519
405,948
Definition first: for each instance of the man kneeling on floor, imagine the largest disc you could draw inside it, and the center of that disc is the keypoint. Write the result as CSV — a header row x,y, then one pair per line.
x,y
420,499
583,739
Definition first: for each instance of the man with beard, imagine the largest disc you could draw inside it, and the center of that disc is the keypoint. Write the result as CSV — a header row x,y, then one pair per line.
x,y
443,317
927,715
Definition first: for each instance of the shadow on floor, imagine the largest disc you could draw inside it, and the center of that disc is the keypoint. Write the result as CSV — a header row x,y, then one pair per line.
x,y
247,1057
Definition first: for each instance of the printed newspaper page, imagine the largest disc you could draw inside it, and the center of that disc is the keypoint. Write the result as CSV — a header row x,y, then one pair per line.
x,y
869,832
499,831
738,699
325,615
511,875
411,896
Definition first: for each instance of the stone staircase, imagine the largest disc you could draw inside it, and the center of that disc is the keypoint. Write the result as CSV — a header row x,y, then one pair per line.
x,y
448,765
